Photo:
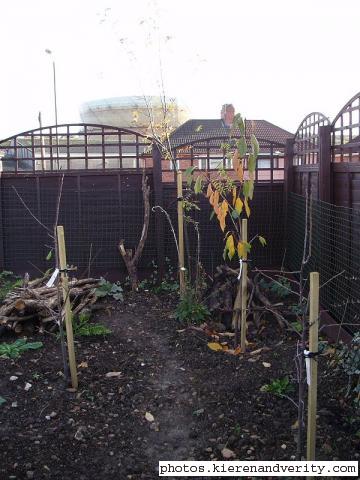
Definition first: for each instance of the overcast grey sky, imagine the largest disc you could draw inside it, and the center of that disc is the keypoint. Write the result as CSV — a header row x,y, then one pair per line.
x,y
273,59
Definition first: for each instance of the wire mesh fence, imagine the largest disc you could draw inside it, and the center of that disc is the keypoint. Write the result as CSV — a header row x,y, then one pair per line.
x,y
98,212
335,254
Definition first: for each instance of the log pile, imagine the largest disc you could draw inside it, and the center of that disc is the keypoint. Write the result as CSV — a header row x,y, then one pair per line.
x,y
35,304
220,298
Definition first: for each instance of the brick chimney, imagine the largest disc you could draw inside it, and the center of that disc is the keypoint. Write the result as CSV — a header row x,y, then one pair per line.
x,y
227,114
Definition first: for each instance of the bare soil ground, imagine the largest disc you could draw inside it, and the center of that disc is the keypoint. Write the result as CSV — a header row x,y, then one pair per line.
x,y
201,401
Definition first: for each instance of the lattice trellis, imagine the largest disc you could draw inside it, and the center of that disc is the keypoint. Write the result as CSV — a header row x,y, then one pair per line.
x,y
345,132
306,147
74,147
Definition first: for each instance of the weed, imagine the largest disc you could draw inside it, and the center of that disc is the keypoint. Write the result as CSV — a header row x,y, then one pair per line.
x,y
190,310
348,359
113,290
14,350
168,283
83,328
279,386
280,288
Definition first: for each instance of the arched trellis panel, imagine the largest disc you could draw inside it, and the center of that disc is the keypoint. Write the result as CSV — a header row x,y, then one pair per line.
x,y
345,132
74,147
306,146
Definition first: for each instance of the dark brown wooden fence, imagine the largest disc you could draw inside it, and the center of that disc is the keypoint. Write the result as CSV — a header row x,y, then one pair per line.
x,y
101,201
323,161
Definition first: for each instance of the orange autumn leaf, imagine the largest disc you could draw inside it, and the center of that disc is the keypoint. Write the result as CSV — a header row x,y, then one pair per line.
x,y
240,171
214,346
211,198
216,198
209,191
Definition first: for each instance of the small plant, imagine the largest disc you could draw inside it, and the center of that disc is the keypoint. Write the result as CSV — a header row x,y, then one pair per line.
x,y
297,326
113,290
14,350
168,283
348,358
279,386
83,328
8,281
279,287
190,310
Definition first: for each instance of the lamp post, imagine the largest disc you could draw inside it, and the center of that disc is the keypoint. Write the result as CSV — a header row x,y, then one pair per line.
x,y
49,52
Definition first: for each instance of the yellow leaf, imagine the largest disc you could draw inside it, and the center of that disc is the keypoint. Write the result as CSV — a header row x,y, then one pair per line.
x,y
247,208
230,246
225,207
209,191
241,249
238,205
214,346
234,196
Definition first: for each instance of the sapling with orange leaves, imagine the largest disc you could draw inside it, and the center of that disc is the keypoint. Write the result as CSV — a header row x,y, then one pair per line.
x,y
230,196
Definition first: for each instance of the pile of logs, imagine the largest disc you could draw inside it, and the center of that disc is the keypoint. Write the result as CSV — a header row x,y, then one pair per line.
x,y
221,295
35,304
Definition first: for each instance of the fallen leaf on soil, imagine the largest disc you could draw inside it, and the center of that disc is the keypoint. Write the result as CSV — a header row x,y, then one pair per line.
x,y
237,351
215,346
83,365
113,374
27,386
227,453
149,417
181,331
266,364
227,334
295,425
255,352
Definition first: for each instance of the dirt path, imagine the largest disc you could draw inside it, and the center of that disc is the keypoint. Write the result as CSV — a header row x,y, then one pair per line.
x,y
201,401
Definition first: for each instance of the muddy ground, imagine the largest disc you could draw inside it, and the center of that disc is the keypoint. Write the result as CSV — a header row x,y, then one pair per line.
x,y
201,401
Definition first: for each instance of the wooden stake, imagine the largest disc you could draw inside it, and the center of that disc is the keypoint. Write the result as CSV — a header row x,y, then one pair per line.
x,y
244,238
67,306
181,233
313,348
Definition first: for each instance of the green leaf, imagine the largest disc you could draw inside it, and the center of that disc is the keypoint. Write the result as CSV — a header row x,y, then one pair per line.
x,y
252,162
254,146
239,122
242,147
49,255
251,189
262,240
246,188
212,214
198,185
2,400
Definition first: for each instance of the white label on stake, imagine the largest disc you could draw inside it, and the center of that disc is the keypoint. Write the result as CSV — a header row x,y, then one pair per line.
x,y
308,366
50,283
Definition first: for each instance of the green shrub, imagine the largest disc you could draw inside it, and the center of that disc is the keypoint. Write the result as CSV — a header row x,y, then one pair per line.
x,y
113,290
348,358
15,349
280,288
190,310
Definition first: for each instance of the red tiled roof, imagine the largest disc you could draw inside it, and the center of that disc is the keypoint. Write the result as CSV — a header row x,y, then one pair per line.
x,y
193,130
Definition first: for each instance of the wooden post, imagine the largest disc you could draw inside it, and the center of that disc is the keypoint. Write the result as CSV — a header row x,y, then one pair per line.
x,y
159,216
181,232
67,306
325,163
313,348
244,238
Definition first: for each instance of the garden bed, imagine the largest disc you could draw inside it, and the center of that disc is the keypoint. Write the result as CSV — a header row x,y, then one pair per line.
x,y
169,397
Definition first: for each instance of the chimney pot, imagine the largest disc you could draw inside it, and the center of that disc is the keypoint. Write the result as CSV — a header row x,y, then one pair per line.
x,y
227,114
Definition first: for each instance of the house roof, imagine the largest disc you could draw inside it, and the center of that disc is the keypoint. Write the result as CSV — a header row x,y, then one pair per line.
x,y
193,130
